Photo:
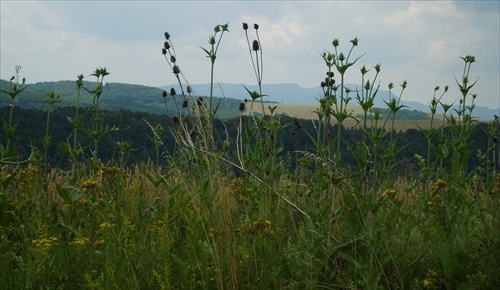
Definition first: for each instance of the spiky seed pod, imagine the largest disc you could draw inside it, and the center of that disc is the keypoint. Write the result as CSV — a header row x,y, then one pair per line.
x,y
172,59
199,101
167,35
175,119
323,84
166,45
255,45
189,89
245,26
164,94
176,69
172,92
184,104
256,26
163,51
330,74
242,107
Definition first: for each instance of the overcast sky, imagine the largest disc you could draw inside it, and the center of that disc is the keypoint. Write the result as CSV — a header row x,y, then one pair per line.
x,y
420,41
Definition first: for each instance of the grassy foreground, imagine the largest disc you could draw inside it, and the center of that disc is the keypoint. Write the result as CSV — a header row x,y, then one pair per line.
x,y
227,212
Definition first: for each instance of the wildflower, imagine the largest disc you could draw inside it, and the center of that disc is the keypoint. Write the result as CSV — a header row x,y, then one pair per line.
x,y
99,242
79,241
439,184
385,194
106,225
430,279
90,184
212,232
256,26
44,244
245,26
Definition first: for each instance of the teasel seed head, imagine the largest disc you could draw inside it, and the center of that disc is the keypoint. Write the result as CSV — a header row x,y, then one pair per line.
x,y
164,94
172,59
167,35
175,119
255,45
166,45
245,26
184,104
256,26
189,89
330,74
242,107
176,69
199,101
163,51
172,92
323,84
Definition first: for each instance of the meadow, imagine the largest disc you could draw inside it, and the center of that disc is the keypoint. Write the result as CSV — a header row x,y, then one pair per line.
x,y
226,211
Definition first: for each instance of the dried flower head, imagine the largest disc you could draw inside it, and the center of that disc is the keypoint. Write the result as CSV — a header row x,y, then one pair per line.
x,y
189,89
256,26
175,119
184,104
245,26
164,94
172,92
163,51
255,45
173,59
166,44
242,107
176,69
167,35
199,101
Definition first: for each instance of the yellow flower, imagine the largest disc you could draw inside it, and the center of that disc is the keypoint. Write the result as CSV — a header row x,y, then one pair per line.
x,y
385,194
44,244
90,184
439,184
106,225
79,241
99,242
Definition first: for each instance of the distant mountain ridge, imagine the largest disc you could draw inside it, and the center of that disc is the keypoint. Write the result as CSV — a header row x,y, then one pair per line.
x,y
136,97
291,93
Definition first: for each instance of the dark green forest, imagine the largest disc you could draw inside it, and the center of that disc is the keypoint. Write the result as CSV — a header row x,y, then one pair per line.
x,y
135,131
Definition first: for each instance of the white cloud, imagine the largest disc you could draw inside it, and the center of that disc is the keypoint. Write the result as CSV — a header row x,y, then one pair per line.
x,y
417,41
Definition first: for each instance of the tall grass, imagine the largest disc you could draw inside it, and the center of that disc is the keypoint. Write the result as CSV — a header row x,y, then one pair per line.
x,y
227,212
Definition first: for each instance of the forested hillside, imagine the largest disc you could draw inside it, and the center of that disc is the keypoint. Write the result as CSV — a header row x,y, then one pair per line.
x,y
134,129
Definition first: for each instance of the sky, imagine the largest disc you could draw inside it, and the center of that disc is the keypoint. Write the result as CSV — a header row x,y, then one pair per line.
x,y
420,42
